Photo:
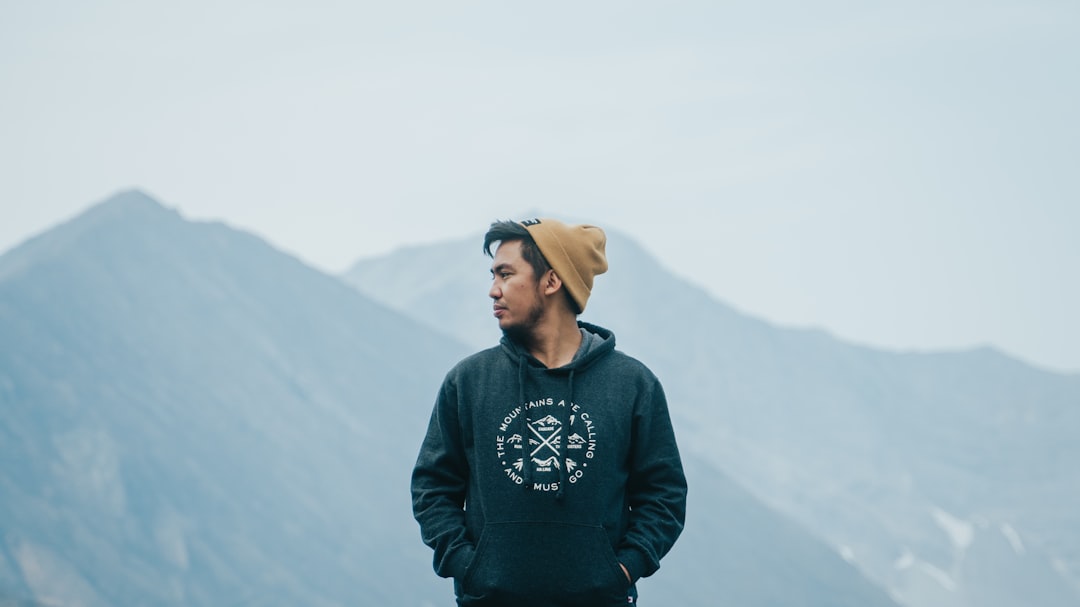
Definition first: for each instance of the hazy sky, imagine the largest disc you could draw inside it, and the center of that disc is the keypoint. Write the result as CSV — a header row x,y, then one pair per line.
x,y
903,174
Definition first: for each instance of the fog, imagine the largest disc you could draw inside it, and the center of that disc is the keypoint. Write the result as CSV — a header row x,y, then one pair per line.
x,y
901,176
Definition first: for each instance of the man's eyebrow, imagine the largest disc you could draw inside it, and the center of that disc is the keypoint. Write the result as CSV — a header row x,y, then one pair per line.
x,y
500,267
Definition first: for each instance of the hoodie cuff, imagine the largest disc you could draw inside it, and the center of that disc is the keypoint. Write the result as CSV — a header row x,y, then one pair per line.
x,y
459,561
635,562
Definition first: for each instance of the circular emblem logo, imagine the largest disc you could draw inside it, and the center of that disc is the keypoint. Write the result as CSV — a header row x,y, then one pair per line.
x,y
547,443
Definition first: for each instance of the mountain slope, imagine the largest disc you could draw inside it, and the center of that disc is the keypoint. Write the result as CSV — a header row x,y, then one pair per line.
x,y
193,418
918,468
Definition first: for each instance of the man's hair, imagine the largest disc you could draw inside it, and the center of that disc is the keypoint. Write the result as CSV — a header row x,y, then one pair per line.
x,y
506,231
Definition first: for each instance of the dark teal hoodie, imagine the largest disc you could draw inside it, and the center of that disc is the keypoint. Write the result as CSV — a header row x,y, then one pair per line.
x,y
534,484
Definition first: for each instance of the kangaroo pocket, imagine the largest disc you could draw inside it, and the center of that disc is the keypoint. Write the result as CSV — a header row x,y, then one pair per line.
x,y
538,563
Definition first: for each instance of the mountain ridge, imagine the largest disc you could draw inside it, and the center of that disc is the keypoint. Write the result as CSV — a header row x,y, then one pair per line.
x,y
193,417
377,267
182,404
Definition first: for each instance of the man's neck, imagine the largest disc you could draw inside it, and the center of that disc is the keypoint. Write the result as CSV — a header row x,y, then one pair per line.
x,y
556,342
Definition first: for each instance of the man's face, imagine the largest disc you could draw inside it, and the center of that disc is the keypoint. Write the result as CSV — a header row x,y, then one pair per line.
x,y
515,291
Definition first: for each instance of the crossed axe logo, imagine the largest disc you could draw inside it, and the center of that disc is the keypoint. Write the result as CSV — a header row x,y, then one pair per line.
x,y
551,441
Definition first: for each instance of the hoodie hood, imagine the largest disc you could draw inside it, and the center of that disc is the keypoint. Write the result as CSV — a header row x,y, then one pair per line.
x,y
595,342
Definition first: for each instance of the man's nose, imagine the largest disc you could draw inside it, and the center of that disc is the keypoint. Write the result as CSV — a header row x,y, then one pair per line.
x,y
495,292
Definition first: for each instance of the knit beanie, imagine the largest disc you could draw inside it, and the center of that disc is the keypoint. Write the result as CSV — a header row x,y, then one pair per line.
x,y
575,252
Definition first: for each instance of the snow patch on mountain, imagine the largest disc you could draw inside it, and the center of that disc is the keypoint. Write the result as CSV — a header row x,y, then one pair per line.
x,y
960,532
1014,538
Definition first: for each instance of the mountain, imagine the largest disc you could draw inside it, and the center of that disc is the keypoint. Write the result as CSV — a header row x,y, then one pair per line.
x,y
191,417
949,478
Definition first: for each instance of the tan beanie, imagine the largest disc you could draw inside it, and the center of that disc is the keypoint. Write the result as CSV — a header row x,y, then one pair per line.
x,y
576,253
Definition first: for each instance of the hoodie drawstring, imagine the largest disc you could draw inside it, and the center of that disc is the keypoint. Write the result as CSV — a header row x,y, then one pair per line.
x,y
564,473
564,419
526,465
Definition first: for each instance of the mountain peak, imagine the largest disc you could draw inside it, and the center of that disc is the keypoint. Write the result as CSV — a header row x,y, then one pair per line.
x,y
129,209
128,204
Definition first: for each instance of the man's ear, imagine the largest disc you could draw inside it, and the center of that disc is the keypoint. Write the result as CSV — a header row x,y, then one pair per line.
x,y
551,282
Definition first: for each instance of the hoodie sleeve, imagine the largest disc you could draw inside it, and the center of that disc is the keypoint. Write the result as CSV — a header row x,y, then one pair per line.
x,y
656,487
439,483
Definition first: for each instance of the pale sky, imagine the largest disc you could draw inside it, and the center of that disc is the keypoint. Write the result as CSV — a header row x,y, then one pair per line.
x,y
902,175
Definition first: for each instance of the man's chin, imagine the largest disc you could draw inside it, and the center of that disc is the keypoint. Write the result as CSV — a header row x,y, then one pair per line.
x,y
516,333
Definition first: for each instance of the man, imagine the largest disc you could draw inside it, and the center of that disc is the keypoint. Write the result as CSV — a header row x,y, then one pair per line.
x,y
549,475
